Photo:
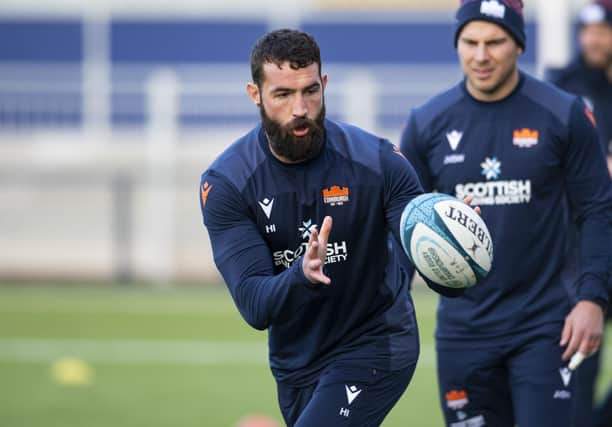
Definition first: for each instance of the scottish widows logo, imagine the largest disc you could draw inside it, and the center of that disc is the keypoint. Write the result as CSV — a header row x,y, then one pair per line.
x,y
491,168
336,251
492,191
306,229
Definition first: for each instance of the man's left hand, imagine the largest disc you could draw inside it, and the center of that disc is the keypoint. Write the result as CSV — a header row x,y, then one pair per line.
x,y
583,329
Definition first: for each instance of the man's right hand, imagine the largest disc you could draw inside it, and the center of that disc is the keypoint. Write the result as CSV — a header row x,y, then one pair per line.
x,y
314,258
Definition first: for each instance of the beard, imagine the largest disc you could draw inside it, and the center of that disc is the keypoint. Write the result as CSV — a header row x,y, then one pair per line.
x,y
289,146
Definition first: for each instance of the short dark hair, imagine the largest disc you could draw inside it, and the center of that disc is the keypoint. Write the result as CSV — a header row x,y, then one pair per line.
x,y
285,45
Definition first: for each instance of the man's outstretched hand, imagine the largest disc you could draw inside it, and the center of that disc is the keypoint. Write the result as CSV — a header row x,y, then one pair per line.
x,y
314,258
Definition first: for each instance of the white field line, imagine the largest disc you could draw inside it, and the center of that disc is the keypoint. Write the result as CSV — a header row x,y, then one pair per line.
x,y
27,350
134,351
129,309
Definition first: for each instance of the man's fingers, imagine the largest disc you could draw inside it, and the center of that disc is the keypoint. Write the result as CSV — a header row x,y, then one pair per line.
x,y
313,249
314,258
576,360
326,228
324,279
314,237
593,345
315,264
590,346
580,355
566,333
573,346
468,201
316,272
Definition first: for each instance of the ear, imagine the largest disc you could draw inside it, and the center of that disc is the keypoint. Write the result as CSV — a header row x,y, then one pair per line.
x,y
324,80
253,92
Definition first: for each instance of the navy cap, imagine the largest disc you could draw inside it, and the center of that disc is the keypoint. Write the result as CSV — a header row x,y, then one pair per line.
x,y
508,14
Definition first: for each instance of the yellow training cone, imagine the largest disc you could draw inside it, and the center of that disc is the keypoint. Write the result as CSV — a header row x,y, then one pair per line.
x,y
71,371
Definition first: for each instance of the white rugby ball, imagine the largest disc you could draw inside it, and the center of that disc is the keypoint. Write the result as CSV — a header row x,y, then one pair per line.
x,y
446,240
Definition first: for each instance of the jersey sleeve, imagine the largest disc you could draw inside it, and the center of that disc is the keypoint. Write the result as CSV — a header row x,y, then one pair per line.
x,y
401,185
413,149
589,192
244,259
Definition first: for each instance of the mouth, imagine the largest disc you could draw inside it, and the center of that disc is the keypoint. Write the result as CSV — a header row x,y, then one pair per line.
x,y
483,73
301,131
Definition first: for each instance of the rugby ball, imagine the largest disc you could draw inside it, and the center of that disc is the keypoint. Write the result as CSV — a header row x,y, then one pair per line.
x,y
446,240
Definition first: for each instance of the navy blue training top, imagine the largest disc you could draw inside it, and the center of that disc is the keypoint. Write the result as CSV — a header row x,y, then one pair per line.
x,y
595,88
530,161
260,212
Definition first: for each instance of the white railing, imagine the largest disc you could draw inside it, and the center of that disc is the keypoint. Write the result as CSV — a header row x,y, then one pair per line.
x,y
211,96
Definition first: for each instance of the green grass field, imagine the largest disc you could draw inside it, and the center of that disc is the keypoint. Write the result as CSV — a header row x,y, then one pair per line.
x,y
177,357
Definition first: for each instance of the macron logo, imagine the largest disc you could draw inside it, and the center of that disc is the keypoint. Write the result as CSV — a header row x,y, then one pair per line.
x,y
566,376
493,8
351,393
454,138
266,206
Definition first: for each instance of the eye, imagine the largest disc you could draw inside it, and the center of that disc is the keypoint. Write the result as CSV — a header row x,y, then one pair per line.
x,y
281,95
468,42
312,90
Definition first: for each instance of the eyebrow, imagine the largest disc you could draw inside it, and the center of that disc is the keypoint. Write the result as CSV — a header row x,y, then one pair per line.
x,y
315,85
493,40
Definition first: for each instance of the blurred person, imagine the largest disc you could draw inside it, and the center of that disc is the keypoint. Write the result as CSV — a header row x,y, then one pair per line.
x,y
529,155
342,333
590,76
590,73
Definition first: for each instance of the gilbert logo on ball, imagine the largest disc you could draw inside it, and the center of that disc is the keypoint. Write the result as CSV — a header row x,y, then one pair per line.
x,y
446,240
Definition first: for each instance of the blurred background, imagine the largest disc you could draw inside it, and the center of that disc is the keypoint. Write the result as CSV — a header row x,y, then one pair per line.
x,y
111,310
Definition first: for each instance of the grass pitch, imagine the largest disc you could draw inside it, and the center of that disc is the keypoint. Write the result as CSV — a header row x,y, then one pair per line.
x,y
130,356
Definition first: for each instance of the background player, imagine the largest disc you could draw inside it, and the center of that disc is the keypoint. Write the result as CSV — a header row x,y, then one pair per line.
x,y
342,333
590,76
590,73
522,149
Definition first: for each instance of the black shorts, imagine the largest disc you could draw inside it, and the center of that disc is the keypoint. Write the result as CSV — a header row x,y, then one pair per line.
x,y
520,380
344,396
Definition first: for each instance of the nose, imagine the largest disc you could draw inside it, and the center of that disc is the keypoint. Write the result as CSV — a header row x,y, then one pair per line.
x,y
481,53
299,106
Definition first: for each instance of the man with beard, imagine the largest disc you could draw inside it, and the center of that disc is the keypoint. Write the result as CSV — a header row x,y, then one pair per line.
x,y
529,155
342,333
